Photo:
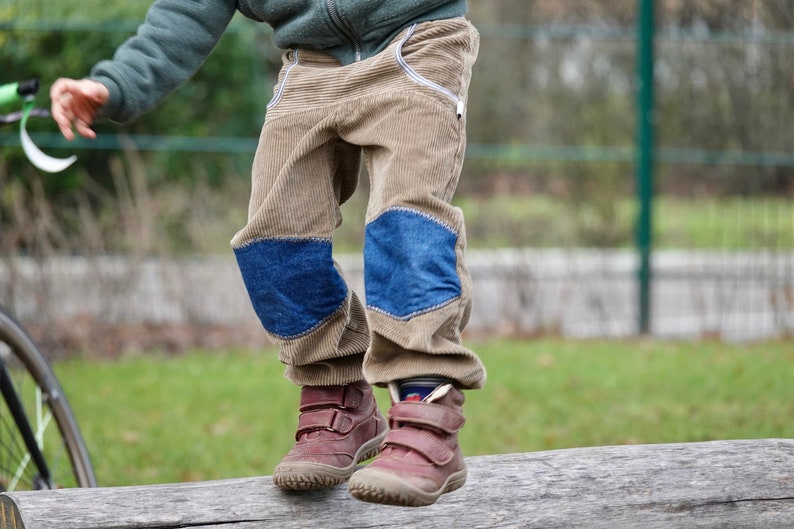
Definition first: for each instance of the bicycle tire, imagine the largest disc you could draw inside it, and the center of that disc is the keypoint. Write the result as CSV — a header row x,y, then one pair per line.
x,y
35,381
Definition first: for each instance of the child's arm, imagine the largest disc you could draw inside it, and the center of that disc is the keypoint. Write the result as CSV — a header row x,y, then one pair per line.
x,y
172,43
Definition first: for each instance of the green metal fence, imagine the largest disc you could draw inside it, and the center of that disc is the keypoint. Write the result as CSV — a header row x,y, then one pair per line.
x,y
645,158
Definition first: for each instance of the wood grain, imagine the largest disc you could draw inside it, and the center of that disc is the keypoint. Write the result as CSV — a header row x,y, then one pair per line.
x,y
725,484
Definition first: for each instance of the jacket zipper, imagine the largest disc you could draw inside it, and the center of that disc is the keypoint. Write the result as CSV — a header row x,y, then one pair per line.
x,y
398,52
344,28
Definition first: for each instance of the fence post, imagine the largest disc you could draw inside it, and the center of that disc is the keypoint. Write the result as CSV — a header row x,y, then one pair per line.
x,y
644,150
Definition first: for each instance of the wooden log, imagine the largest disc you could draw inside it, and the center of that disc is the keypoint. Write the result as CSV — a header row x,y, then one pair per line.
x,y
725,484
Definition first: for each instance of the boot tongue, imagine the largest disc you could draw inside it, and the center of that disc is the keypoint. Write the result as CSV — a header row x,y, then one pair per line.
x,y
437,393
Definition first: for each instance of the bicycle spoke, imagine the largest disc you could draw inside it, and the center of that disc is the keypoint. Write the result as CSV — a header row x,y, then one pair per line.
x,y
40,443
14,453
22,466
16,461
19,472
42,419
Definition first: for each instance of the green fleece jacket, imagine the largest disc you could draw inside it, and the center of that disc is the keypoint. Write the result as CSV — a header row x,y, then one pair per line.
x,y
178,35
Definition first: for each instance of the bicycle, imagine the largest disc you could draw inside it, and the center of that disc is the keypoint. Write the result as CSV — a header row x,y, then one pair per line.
x,y
41,446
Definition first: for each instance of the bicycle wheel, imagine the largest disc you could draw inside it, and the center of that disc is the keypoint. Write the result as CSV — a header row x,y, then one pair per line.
x,y
44,407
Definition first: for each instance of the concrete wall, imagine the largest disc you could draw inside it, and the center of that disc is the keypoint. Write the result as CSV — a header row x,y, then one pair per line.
x,y
576,293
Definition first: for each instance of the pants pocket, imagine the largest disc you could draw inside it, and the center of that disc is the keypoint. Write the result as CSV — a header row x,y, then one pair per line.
x,y
290,62
442,48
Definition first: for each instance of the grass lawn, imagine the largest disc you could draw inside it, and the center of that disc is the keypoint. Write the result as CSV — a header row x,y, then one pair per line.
x,y
156,418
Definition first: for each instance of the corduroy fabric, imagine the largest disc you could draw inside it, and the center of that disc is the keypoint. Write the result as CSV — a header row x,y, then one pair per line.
x,y
404,109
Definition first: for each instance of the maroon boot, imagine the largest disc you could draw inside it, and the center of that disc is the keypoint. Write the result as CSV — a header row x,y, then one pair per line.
x,y
339,426
420,458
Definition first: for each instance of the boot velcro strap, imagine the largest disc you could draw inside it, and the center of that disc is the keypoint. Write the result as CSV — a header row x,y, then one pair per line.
x,y
327,419
427,414
427,444
324,396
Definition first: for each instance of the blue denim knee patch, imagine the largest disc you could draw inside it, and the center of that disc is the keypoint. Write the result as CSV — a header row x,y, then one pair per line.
x,y
409,263
293,283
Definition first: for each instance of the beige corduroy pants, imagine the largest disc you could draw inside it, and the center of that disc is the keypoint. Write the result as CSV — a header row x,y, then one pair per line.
x,y
404,109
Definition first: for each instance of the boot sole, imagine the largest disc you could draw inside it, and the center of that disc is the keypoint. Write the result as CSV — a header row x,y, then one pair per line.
x,y
311,476
377,486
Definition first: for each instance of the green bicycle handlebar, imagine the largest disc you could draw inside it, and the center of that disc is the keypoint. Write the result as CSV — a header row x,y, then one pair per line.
x,y
24,92
15,92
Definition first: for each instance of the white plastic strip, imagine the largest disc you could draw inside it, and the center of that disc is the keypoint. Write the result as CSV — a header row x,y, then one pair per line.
x,y
39,159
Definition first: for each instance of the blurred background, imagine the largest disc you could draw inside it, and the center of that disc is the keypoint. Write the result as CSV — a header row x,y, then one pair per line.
x,y
628,193
628,172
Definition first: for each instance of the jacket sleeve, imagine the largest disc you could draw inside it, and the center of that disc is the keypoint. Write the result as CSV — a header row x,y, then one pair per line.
x,y
169,47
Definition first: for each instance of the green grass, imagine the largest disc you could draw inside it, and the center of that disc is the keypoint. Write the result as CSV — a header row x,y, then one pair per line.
x,y
210,415
725,223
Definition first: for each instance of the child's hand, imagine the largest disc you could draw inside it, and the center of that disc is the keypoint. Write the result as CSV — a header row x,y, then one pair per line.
x,y
75,103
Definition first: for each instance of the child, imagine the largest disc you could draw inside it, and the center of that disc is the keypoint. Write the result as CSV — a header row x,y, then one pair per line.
x,y
387,79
